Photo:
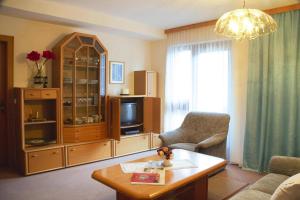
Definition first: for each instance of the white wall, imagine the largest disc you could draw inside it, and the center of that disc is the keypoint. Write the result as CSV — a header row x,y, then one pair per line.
x,y
158,61
34,35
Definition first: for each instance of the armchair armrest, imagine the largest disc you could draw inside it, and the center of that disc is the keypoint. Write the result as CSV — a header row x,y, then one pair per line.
x,y
286,165
212,141
171,137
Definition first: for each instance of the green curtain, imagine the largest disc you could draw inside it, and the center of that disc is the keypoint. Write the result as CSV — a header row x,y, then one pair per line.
x,y
273,94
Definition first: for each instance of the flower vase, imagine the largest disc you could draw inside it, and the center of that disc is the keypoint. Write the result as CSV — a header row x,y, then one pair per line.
x,y
167,162
39,81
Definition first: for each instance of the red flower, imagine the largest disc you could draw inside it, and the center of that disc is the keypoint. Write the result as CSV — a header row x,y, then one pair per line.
x,y
48,55
33,56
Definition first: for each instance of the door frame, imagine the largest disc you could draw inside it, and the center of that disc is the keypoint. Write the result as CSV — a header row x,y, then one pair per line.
x,y
11,139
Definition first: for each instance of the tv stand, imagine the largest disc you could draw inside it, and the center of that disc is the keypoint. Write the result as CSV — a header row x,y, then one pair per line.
x,y
134,137
131,129
131,126
131,132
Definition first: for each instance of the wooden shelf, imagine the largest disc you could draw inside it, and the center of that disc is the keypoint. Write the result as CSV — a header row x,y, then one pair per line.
x,y
134,135
40,122
93,66
69,65
44,147
48,154
78,125
131,126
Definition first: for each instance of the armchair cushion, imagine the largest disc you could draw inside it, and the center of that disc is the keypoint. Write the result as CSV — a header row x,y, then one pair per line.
x,y
268,183
251,195
286,165
289,189
172,137
185,146
212,141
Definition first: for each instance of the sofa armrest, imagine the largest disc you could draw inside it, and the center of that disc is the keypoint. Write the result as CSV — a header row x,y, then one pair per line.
x,y
212,141
285,165
171,137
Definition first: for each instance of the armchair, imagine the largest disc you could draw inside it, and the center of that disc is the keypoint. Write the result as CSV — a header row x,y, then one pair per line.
x,y
201,132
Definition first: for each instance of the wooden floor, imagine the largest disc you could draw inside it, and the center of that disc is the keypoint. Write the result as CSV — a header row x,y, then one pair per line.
x,y
228,182
236,173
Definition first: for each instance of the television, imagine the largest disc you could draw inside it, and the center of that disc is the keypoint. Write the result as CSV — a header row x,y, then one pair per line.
x,y
128,113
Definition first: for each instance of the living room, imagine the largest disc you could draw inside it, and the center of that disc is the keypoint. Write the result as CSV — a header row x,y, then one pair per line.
x,y
209,89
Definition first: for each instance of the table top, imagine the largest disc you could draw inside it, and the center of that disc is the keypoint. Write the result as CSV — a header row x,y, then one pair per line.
x,y
115,178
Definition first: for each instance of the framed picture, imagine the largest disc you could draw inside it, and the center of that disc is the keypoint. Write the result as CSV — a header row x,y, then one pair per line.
x,y
116,72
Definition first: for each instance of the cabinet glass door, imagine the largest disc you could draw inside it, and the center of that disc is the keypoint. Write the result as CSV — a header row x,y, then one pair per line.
x,y
93,86
81,86
68,80
84,81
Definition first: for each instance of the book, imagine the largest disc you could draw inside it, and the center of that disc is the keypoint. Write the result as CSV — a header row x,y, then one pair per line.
x,y
145,178
151,177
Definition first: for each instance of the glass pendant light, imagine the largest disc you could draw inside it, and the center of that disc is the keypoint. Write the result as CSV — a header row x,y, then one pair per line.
x,y
245,23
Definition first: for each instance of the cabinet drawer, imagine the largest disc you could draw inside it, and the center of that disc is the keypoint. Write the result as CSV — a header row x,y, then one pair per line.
x,y
84,134
156,141
43,160
48,94
84,153
132,144
32,94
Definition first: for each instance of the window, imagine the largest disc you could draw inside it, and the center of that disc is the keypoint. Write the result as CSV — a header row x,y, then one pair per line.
x,y
197,79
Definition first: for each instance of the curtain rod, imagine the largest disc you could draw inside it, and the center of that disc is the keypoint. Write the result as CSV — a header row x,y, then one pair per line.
x,y
213,22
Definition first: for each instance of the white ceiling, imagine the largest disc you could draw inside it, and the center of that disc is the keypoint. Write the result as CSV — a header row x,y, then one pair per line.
x,y
145,19
171,13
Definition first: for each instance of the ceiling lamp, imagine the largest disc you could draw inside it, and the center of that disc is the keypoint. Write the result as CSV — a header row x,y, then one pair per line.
x,y
245,23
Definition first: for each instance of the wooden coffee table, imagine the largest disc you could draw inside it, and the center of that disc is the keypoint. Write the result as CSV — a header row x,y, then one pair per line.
x,y
191,183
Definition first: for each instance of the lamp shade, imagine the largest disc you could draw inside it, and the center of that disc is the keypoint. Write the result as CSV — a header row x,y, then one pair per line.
x,y
245,24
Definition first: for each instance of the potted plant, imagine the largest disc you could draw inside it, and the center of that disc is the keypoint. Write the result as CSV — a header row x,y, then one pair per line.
x,y
167,154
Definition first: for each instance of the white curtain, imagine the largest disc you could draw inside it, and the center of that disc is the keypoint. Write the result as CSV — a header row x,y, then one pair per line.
x,y
199,77
197,80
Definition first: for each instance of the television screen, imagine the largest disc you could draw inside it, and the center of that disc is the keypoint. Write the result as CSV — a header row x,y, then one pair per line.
x,y
128,113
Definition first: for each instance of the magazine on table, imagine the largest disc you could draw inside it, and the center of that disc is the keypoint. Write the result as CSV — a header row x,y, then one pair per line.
x,y
150,176
132,167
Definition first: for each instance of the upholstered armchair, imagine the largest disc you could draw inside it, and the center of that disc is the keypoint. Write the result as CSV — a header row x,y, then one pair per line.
x,y
201,132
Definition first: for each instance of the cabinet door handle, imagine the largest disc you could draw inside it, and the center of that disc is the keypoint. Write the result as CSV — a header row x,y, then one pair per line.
x,y
72,149
31,94
104,144
55,152
34,156
47,94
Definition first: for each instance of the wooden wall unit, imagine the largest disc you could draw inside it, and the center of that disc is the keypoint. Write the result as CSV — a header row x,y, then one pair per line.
x,y
155,141
132,144
44,159
148,122
79,122
80,71
88,152
38,124
145,83
84,133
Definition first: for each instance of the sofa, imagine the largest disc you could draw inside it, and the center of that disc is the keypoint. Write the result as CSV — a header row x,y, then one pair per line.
x,y
200,132
282,183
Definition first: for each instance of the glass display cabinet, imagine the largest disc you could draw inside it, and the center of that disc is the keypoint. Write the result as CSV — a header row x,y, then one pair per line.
x,y
80,72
